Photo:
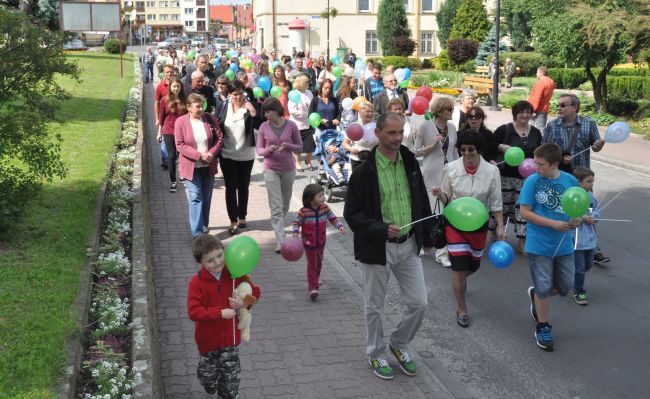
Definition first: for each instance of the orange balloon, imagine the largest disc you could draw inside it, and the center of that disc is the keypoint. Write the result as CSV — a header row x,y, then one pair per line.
x,y
358,101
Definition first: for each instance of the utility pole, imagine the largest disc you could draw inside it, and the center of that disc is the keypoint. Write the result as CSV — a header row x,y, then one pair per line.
x,y
328,30
495,83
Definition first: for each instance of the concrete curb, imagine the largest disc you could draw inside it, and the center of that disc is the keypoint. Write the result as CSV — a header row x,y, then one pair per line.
x,y
145,351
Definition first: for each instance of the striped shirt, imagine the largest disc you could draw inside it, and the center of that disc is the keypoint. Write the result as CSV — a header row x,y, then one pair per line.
x,y
314,225
557,132
394,191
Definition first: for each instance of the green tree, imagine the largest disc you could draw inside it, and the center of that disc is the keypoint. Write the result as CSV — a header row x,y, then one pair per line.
x,y
32,57
517,17
577,34
444,17
488,47
471,21
391,23
45,11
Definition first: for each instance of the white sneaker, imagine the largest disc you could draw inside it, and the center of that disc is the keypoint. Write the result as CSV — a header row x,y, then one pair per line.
x,y
278,247
444,261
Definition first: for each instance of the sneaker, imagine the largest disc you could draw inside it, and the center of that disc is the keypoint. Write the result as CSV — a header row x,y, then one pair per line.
x,y
581,298
381,369
533,311
445,262
404,359
313,295
543,337
172,188
206,230
278,247
600,258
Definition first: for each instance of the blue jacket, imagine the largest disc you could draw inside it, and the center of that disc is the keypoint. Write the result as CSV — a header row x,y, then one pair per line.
x,y
586,232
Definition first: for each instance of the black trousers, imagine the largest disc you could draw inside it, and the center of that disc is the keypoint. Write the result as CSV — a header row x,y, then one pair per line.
x,y
170,143
236,177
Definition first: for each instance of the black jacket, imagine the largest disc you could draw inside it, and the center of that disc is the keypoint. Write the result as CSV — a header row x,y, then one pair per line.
x,y
363,209
250,122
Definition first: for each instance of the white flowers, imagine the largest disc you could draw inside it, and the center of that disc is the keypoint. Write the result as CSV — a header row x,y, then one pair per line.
x,y
110,312
113,263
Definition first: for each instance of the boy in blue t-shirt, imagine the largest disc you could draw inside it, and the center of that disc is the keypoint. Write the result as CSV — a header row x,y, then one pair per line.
x,y
549,241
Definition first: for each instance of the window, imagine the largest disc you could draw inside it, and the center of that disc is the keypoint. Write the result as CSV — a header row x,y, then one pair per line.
x,y
189,23
176,17
163,4
427,42
189,11
151,17
371,42
164,17
140,17
139,4
364,5
151,4
406,5
427,5
175,4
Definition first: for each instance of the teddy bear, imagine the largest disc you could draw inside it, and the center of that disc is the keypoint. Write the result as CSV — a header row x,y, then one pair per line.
x,y
244,291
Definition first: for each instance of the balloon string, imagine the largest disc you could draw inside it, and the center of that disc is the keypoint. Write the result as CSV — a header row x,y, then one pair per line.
x,y
610,201
234,331
575,246
505,229
558,246
419,220
614,220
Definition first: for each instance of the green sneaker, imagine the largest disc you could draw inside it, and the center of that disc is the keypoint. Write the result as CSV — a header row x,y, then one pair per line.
x,y
581,298
405,363
381,368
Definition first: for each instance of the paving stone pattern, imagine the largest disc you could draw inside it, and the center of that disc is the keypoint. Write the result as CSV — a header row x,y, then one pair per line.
x,y
299,348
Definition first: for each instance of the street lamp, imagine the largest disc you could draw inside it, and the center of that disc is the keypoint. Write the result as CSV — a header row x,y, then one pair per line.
x,y
495,82
328,29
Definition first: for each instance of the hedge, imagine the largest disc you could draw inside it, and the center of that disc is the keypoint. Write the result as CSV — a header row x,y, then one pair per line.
x,y
113,46
568,78
628,87
399,62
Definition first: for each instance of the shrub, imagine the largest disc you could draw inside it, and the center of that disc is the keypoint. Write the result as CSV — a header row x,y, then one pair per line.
x,y
527,62
443,61
636,71
404,46
427,63
113,46
600,119
399,62
462,50
621,106
629,87
568,78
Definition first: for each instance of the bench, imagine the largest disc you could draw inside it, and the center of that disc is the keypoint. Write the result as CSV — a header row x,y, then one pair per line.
x,y
482,86
482,70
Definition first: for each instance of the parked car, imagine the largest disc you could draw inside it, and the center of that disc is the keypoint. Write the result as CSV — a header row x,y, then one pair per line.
x,y
74,44
197,41
221,44
173,42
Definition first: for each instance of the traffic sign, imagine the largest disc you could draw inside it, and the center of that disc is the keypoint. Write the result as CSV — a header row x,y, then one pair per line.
x,y
314,17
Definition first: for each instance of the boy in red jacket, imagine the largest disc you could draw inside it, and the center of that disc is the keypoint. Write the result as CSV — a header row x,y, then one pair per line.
x,y
212,307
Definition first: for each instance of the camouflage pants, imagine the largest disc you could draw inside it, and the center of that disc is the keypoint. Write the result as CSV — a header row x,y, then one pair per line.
x,y
219,371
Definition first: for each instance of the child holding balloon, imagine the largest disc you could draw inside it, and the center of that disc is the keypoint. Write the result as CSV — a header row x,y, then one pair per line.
x,y
549,243
312,220
586,242
213,308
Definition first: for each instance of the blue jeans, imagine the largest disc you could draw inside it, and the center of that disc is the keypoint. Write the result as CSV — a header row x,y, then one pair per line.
x,y
148,72
199,195
584,261
551,273
163,151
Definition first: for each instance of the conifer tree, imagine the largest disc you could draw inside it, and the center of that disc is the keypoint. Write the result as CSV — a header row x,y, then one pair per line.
x,y
391,23
471,21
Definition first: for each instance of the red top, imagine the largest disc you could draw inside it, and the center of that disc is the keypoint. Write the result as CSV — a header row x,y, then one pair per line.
x,y
206,297
162,90
471,170
541,94
166,118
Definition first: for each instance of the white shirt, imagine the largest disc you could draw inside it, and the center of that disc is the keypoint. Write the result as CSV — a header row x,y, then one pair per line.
x,y
392,93
235,143
299,113
485,185
201,139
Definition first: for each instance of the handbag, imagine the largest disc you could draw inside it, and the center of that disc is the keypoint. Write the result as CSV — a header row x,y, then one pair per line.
x,y
438,230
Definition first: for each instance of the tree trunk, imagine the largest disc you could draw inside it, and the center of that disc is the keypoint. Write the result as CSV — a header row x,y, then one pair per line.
x,y
25,6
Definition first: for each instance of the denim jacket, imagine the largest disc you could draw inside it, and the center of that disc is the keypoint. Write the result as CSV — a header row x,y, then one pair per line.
x,y
586,232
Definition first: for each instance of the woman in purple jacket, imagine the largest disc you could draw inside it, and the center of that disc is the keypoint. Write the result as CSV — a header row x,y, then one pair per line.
x,y
198,141
277,140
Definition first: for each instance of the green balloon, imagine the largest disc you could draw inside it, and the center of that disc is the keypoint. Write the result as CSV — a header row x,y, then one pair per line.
x,y
258,92
230,74
314,120
466,214
191,54
161,75
276,91
205,104
242,256
404,84
575,202
514,156
294,96
337,71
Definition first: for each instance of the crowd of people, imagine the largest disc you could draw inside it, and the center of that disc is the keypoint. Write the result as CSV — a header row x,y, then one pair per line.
x,y
403,167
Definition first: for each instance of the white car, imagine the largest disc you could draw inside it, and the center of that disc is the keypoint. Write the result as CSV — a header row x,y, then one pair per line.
x,y
221,44
165,44
197,42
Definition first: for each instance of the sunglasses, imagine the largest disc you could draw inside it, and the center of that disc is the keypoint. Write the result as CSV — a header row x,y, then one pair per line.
x,y
564,105
474,117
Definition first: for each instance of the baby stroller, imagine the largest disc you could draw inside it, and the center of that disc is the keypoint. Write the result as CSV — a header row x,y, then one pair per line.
x,y
326,176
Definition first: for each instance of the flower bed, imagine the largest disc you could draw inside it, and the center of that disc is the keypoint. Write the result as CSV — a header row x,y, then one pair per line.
x,y
106,372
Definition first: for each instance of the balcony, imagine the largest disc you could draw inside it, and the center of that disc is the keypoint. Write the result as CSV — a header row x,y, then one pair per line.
x,y
200,13
200,2
200,26
139,9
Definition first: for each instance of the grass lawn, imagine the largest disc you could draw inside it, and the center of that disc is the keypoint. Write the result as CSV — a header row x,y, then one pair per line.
x,y
42,255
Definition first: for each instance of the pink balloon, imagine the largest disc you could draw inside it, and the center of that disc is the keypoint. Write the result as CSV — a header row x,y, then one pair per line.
x,y
527,167
419,105
254,58
292,249
354,132
425,92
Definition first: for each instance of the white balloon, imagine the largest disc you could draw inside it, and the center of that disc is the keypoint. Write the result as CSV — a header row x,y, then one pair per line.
x,y
400,74
347,103
369,131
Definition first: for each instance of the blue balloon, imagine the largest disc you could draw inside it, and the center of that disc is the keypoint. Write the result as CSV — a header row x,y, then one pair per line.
x,y
336,60
264,83
358,63
407,73
501,254
234,67
617,132
336,85
275,64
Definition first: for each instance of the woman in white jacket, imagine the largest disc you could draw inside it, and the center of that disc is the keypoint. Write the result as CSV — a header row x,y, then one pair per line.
x,y
299,113
436,143
459,117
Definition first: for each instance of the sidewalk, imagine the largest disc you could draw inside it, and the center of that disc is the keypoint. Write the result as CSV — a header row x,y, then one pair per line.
x,y
299,348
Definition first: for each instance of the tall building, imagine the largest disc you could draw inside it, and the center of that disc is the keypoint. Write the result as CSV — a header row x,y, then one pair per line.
x,y
161,17
195,16
355,26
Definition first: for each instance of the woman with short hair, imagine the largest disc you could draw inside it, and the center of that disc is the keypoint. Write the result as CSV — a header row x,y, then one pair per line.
x,y
360,149
467,99
277,139
198,140
476,123
469,176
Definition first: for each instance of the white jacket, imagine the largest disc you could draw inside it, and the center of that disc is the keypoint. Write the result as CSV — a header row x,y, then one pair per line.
x,y
299,113
485,185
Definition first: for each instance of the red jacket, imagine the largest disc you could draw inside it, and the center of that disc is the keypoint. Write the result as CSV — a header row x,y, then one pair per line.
x,y
541,94
166,118
186,145
314,225
206,297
